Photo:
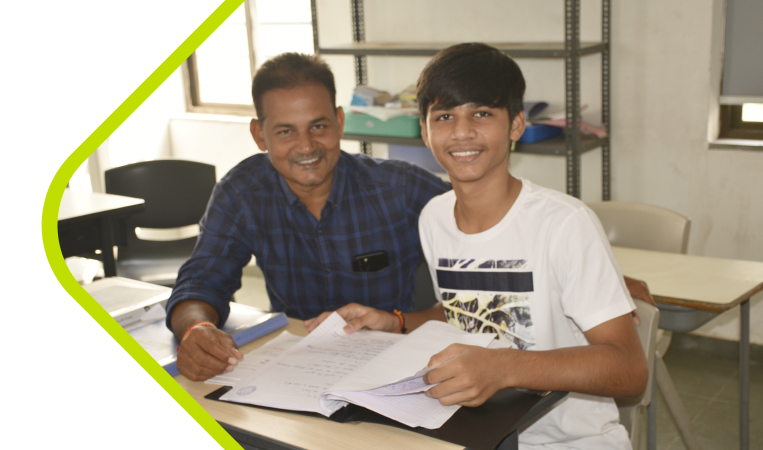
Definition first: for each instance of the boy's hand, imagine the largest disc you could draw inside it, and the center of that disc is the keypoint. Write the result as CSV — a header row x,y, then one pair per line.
x,y
467,375
359,317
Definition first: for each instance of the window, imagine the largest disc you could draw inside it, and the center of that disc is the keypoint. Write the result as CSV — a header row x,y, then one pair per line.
x,y
743,121
742,86
218,75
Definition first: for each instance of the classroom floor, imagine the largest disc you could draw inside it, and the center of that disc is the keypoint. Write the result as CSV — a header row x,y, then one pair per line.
x,y
707,385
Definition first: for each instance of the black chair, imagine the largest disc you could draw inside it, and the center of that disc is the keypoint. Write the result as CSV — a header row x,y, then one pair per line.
x,y
176,194
423,290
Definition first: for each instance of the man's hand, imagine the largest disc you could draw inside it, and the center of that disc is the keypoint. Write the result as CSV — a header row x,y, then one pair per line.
x,y
467,375
359,317
204,351
207,352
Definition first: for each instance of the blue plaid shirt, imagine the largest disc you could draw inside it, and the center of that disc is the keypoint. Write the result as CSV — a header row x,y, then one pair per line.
x,y
373,205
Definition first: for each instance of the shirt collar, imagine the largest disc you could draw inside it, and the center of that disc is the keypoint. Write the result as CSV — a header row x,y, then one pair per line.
x,y
337,184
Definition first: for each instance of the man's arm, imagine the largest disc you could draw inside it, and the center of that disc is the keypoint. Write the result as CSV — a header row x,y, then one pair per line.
x,y
358,317
614,365
204,351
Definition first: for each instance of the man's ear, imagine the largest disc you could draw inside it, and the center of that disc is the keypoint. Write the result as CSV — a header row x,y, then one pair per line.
x,y
258,134
340,121
424,134
517,127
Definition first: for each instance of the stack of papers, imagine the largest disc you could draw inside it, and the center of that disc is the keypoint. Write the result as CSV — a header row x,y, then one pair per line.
x,y
329,368
131,303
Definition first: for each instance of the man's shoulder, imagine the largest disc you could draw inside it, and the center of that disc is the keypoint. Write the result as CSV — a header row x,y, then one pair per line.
x,y
254,172
388,171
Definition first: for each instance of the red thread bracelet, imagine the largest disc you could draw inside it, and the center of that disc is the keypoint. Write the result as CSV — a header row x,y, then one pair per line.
x,y
198,324
400,316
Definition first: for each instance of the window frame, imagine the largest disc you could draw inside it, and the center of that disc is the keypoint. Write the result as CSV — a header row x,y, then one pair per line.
x,y
191,80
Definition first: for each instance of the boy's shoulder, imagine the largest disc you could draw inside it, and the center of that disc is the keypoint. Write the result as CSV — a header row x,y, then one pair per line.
x,y
440,205
548,201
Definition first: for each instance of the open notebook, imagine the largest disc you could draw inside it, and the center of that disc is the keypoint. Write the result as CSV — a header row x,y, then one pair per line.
x,y
379,371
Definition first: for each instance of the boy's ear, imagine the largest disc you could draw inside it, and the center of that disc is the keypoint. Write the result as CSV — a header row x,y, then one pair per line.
x,y
517,127
424,134
258,134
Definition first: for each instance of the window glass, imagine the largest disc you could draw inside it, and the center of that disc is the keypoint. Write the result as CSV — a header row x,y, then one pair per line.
x,y
752,112
222,63
221,72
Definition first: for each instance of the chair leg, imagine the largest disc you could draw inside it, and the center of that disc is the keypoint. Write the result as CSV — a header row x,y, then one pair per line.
x,y
675,406
651,418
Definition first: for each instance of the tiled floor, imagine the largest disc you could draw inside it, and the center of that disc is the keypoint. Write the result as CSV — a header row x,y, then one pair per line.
x,y
708,387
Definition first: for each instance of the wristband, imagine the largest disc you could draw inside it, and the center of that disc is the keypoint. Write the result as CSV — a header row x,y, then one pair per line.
x,y
400,316
196,325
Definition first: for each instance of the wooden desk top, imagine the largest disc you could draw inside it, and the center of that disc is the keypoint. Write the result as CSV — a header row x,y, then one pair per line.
x,y
699,282
306,431
84,205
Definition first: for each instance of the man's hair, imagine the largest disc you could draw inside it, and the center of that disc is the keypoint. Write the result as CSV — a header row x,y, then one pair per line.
x,y
290,70
471,73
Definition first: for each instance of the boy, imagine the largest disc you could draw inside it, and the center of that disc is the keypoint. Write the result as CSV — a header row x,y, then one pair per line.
x,y
510,257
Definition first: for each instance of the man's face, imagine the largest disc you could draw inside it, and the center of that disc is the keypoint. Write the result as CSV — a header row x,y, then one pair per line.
x,y
471,141
300,132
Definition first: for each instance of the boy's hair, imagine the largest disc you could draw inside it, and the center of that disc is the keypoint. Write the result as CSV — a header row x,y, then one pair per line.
x,y
290,70
471,73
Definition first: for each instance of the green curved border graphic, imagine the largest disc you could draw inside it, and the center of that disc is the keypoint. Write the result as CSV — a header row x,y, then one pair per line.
x,y
53,201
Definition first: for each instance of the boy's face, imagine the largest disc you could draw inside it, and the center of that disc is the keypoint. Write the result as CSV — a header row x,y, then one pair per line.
x,y
471,141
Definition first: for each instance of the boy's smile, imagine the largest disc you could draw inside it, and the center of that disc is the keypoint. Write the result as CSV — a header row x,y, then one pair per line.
x,y
471,141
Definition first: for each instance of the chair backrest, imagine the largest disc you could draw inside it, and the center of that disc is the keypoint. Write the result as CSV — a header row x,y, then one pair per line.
x,y
639,225
633,409
423,290
176,191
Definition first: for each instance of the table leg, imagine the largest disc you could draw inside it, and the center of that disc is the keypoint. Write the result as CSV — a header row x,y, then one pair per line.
x,y
107,249
744,376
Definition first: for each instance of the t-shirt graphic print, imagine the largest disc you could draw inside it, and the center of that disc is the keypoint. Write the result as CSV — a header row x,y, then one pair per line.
x,y
488,296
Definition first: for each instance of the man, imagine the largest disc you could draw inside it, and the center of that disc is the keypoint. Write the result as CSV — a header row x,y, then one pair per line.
x,y
327,228
509,257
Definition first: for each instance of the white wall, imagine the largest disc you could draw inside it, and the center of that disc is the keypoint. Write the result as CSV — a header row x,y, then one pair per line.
x,y
665,71
666,60
145,135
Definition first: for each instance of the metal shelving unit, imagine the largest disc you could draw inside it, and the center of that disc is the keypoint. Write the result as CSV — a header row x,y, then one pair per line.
x,y
571,145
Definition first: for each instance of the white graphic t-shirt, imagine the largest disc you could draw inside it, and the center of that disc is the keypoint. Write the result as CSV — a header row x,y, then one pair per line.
x,y
539,278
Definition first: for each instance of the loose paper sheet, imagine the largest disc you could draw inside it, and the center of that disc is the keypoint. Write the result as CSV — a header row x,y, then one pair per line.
x,y
297,378
256,360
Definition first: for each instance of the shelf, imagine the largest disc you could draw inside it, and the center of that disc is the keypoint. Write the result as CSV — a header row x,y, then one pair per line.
x,y
514,49
385,139
555,146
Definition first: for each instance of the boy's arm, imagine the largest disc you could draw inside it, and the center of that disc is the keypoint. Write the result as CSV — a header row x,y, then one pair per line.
x,y
614,365
359,316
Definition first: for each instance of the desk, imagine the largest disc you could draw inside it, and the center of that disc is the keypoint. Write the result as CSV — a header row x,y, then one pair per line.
x,y
89,221
710,284
274,429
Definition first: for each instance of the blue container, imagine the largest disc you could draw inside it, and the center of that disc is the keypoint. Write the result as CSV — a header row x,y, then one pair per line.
x,y
535,133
